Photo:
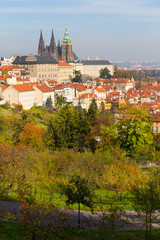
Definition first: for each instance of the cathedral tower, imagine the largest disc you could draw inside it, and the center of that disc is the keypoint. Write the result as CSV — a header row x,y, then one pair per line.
x,y
62,51
41,47
67,53
53,49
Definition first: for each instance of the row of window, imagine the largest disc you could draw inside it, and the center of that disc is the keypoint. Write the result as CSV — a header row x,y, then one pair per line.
x,y
49,75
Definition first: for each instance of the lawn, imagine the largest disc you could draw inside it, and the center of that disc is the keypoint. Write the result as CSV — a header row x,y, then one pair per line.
x,y
102,199
13,231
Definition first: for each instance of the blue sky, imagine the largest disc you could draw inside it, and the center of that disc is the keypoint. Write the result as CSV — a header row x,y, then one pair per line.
x,y
110,29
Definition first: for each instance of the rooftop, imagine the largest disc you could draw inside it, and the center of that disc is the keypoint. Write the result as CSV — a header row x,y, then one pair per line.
x,y
36,60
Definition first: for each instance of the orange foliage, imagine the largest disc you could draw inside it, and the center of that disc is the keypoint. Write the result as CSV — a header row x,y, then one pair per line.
x,y
32,136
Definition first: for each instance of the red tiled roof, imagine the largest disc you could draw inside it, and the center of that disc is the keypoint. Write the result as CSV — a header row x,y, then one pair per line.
x,y
156,117
100,90
52,82
20,79
88,95
23,87
4,77
3,87
44,88
10,67
62,63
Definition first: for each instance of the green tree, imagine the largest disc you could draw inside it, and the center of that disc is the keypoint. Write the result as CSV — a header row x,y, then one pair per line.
x,y
68,129
105,73
77,76
49,103
134,129
147,198
102,132
60,101
78,191
92,112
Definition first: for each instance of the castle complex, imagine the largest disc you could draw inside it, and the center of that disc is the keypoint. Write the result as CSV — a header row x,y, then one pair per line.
x,y
62,51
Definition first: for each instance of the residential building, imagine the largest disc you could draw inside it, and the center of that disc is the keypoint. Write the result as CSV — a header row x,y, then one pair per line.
x,y
22,94
42,93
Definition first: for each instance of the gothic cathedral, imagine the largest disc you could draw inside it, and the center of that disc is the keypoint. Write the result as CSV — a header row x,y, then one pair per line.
x,y
62,51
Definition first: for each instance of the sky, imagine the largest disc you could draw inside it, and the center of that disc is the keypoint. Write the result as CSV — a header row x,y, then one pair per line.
x,y
116,30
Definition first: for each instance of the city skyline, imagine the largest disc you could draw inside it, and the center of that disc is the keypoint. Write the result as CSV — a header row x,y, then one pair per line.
x,y
114,30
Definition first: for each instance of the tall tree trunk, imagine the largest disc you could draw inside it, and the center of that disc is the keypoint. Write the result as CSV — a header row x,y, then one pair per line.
x,y
79,218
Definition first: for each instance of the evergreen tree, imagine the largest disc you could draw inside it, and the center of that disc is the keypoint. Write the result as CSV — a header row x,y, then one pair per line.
x,y
68,129
105,73
92,112
49,103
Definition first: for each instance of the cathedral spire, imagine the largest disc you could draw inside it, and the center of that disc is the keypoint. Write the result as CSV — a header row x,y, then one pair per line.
x,y
41,36
52,36
53,48
41,47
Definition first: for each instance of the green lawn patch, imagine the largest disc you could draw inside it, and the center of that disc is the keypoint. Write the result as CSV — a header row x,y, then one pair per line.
x,y
102,199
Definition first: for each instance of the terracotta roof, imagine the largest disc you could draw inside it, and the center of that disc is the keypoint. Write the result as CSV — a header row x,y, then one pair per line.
x,y
106,87
10,67
20,79
119,80
52,82
156,117
23,87
62,63
89,95
100,90
3,87
4,77
44,88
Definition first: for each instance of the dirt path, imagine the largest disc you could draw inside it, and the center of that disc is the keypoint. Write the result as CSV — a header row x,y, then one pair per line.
x,y
89,220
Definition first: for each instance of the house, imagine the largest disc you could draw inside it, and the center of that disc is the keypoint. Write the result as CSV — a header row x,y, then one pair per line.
x,y
20,94
86,99
156,123
14,70
100,92
42,93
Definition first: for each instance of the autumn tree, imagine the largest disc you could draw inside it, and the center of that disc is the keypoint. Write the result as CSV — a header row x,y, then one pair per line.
x,y
32,135
147,198
43,221
134,129
102,132
78,191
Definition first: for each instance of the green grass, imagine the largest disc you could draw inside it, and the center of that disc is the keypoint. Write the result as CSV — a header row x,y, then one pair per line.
x,y
101,200
5,112
13,231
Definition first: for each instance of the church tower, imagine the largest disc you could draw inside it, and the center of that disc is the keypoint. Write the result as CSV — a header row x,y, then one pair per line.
x,y
53,49
41,47
67,53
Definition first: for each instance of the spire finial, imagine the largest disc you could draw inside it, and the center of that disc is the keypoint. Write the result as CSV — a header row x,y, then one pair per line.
x,y
52,36
41,36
